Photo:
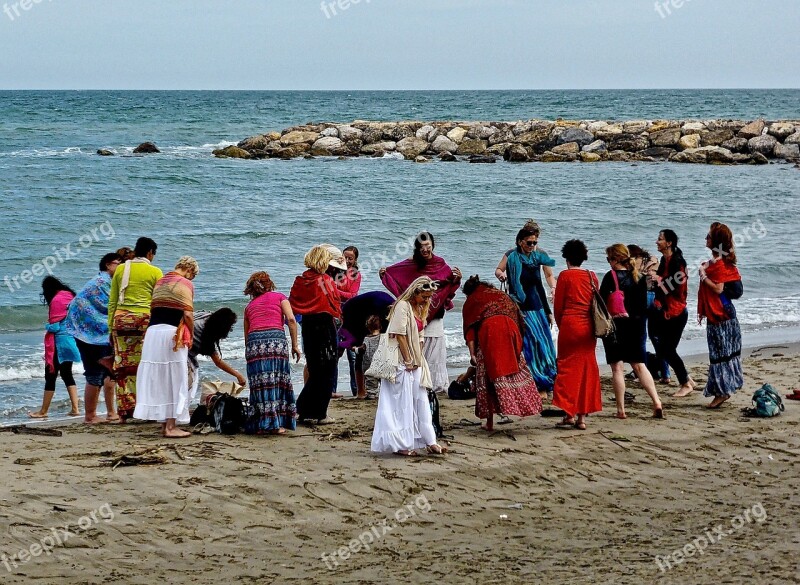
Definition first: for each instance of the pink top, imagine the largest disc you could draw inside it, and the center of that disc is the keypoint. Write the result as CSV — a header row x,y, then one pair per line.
x,y
419,323
265,312
349,284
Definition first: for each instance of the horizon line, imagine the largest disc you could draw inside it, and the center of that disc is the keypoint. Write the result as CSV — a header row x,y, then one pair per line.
x,y
418,90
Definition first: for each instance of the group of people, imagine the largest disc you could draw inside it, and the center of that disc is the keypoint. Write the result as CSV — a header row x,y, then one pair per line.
x,y
138,335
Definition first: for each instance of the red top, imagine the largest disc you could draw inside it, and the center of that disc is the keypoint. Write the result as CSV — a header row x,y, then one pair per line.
x,y
671,293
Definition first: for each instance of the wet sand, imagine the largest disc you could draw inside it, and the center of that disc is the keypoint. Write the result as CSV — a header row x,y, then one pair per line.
x,y
527,503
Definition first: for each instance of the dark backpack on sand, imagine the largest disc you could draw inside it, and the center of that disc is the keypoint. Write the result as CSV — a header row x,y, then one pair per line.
x,y
434,402
766,403
227,414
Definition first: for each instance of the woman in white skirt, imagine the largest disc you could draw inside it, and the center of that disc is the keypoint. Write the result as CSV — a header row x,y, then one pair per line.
x,y
403,421
163,381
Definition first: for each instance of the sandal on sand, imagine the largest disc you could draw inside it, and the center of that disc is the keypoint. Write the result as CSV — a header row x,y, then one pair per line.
x,y
567,421
405,453
580,426
795,395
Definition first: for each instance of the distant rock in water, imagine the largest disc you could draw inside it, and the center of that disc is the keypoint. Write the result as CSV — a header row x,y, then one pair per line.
x,y
105,152
146,148
727,142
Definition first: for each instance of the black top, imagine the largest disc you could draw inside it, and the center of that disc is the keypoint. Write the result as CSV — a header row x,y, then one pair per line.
x,y
164,316
635,292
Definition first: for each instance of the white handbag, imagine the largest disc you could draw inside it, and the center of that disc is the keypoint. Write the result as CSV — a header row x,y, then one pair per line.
x,y
386,359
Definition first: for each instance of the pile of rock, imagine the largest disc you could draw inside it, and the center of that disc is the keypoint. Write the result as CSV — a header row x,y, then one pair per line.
x,y
708,141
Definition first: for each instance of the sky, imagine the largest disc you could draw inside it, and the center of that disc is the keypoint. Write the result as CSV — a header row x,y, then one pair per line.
x,y
398,44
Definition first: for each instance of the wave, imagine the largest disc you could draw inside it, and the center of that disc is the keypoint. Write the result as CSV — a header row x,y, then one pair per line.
x,y
12,373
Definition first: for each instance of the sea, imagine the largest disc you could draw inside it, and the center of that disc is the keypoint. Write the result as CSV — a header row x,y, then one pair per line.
x,y
63,206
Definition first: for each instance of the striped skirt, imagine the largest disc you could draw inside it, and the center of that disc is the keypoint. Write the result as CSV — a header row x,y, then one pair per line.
x,y
538,349
725,375
270,380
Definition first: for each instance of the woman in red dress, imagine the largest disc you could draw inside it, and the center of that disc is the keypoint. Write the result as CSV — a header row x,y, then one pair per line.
x,y
577,386
493,328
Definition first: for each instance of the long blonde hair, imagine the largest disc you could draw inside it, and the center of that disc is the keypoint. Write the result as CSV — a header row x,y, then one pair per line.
x,y
318,258
620,253
423,283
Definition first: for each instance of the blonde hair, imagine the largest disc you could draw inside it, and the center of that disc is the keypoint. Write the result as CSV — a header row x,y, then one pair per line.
x,y
620,253
318,258
188,264
423,283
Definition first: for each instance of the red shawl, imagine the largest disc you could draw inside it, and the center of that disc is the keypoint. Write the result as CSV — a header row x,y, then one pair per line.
x,y
314,293
709,304
173,291
487,302
399,277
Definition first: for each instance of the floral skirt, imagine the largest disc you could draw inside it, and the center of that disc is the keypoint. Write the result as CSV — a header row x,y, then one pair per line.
x,y
514,395
127,337
270,379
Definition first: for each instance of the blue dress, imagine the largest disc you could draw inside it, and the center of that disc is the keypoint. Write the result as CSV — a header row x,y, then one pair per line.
x,y
525,287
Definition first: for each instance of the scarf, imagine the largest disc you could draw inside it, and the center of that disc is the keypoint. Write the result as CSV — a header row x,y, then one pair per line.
x,y
59,307
313,293
487,302
126,277
173,291
399,277
709,304
516,261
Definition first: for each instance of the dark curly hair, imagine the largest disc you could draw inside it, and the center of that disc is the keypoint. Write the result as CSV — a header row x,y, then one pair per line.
x,y
472,283
575,252
218,326
51,286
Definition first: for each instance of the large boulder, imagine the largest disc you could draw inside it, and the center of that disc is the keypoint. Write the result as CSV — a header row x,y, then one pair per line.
x,y
658,152
717,155
472,146
693,128
715,137
457,134
146,148
568,148
735,144
759,159
372,134
787,151
577,135
534,137
348,133
690,155
596,126
667,137
522,127
397,132
501,148
232,152
635,126
629,142
590,157
689,141
330,132
383,146
329,146
293,151
258,142
619,156
597,146
752,129
299,137
447,157
659,125
425,131
479,132
105,152
762,144
411,147
443,143
793,139
482,158
549,156
500,137
608,132
516,153
781,130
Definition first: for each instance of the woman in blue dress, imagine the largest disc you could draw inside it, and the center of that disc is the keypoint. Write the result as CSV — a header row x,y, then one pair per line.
x,y
525,286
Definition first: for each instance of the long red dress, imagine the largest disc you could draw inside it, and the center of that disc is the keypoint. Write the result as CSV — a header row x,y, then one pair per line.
x,y
577,387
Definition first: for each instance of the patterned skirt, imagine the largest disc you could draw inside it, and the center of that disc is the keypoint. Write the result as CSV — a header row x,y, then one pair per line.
x,y
515,394
540,353
127,337
725,374
270,379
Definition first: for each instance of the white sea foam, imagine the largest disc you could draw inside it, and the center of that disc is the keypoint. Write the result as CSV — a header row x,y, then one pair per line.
x,y
20,372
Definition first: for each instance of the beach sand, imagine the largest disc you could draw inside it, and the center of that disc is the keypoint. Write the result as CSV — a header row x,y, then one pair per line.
x,y
530,503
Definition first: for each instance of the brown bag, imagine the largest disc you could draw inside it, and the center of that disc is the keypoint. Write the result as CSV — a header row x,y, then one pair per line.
x,y
601,318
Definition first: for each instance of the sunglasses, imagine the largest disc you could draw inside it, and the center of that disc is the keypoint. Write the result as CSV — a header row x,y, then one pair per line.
x,y
530,242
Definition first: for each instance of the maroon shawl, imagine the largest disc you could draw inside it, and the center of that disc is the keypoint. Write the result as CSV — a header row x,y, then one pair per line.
x,y
398,277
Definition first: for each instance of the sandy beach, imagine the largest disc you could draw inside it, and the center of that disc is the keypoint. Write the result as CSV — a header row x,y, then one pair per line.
x,y
529,502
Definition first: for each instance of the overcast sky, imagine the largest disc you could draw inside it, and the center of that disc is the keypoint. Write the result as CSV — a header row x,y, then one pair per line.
x,y
398,44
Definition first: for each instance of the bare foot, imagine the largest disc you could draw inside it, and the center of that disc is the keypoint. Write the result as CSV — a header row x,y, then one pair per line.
x,y
336,395
113,419
176,434
37,414
621,415
407,453
95,420
437,449
684,390
487,426
280,431
718,401
74,414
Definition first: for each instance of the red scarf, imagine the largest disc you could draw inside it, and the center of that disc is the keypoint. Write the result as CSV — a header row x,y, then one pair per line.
x,y
487,302
709,304
314,293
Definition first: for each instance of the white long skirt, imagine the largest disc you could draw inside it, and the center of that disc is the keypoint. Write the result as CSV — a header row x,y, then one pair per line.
x,y
403,420
162,382
435,352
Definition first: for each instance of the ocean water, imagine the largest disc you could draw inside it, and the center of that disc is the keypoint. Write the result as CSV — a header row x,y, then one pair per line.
x,y
64,206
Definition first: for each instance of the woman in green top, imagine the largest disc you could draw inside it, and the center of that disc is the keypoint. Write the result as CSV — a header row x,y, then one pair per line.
x,y
128,317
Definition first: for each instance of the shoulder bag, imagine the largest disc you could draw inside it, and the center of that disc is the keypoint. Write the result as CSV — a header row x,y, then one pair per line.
x,y
601,318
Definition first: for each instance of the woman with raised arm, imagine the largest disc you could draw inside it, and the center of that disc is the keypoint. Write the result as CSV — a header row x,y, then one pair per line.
x,y
720,283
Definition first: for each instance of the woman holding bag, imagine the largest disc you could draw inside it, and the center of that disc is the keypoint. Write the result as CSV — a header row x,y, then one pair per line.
x,y
403,421
625,293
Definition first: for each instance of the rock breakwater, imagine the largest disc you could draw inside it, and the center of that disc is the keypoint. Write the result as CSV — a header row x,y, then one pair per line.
x,y
687,141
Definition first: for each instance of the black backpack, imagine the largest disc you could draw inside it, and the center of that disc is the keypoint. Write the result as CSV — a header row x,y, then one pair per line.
x,y
434,402
228,414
